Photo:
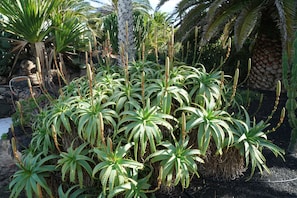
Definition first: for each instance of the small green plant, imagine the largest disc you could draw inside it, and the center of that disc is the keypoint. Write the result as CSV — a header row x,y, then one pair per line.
x,y
209,123
178,162
144,126
74,163
32,176
251,139
134,187
114,168
27,109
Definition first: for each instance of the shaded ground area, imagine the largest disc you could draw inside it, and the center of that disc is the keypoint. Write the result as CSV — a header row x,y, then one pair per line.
x,y
280,183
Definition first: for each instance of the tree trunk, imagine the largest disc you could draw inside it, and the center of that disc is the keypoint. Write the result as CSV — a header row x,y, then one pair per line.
x,y
266,63
266,56
125,28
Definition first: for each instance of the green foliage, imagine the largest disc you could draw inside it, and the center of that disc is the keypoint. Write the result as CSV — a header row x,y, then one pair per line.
x,y
73,192
3,136
91,118
251,139
290,82
133,188
27,18
210,123
178,162
240,19
29,109
147,32
32,176
114,168
116,132
144,126
74,163
5,54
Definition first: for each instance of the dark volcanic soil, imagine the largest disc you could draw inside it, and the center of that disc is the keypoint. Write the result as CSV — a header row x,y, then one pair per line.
x,y
280,183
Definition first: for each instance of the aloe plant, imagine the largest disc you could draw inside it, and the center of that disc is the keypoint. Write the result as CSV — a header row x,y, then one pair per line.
x,y
165,90
113,165
251,138
32,176
74,163
144,126
125,131
89,123
134,187
73,192
204,85
178,162
209,123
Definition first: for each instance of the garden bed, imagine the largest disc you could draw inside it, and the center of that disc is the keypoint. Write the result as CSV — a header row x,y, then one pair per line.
x,y
281,182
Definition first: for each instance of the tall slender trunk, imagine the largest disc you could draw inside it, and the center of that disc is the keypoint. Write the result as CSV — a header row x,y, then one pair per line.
x,y
125,28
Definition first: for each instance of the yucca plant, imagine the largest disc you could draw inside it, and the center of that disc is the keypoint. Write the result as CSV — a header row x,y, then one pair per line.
x,y
28,13
68,33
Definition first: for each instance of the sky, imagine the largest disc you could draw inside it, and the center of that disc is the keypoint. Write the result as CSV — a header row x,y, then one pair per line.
x,y
167,7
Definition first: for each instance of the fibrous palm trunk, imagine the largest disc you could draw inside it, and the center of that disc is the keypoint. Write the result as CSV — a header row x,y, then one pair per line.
x,y
125,28
266,58
266,64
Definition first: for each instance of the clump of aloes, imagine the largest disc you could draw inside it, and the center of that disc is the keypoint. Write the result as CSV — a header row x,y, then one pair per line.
x,y
111,136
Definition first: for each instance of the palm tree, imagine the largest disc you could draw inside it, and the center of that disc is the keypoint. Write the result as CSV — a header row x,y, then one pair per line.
x,y
125,28
37,22
28,20
118,15
271,22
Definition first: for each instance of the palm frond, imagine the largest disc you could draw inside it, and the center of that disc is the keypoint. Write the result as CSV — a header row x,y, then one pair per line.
x,y
245,24
162,2
221,17
287,11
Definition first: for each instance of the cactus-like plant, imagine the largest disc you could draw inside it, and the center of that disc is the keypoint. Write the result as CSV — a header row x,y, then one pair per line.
x,y
290,83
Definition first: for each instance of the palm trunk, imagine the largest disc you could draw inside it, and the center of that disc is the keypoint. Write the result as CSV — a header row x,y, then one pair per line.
x,y
125,28
266,63
266,56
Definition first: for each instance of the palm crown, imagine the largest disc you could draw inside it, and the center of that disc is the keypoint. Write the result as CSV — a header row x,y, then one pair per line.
x,y
273,22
